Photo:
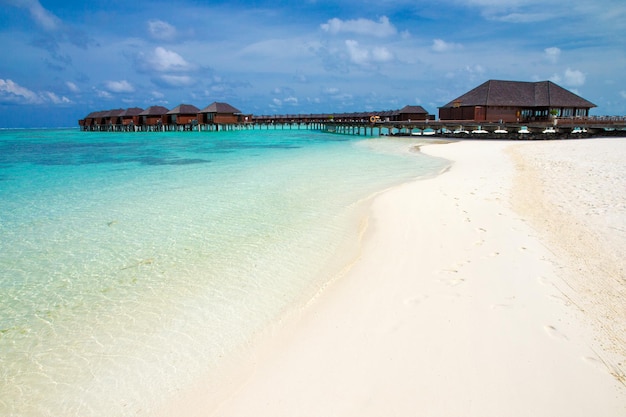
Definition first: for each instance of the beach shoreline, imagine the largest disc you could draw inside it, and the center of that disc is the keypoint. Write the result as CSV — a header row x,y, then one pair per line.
x,y
458,305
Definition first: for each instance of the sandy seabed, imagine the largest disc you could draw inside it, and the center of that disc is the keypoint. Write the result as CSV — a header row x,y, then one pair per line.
x,y
497,288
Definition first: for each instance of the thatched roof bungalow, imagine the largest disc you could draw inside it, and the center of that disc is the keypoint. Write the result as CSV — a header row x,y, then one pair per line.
x,y
408,113
152,116
513,101
219,113
131,116
90,121
182,114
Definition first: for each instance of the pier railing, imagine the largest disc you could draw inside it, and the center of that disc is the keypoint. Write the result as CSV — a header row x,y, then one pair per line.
x,y
596,125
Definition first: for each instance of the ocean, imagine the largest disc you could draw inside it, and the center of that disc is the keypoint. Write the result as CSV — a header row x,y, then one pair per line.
x,y
133,264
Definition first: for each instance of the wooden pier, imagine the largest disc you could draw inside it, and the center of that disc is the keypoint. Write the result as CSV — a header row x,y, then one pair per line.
x,y
373,125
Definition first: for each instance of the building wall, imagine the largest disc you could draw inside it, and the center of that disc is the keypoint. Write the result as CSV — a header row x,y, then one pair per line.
x,y
404,117
152,120
456,113
226,118
185,119
505,114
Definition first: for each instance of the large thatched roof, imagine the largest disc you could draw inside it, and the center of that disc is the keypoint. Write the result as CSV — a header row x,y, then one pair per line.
x,y
520,94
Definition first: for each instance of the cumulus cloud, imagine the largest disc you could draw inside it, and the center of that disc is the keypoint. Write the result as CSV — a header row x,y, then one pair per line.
x,y
364,56
169,80
163,60
574,78
552,54
439,45
357,54
11,92
291,100
120,86
72,87
159,29
42,17
382,28
53,98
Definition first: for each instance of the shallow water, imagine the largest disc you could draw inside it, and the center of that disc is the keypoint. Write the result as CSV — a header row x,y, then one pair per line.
x,y
132,263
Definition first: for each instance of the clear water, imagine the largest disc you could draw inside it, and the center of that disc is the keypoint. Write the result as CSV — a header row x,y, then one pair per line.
x,y
130,264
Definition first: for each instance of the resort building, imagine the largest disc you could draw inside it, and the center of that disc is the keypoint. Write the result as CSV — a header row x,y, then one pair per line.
x,y
220,113
408,113
515,101
152,117
181,116
130,117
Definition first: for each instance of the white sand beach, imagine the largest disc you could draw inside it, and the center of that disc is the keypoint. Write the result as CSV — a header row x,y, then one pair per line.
x,y
494,289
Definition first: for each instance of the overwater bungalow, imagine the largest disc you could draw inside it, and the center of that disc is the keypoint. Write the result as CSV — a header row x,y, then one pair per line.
x,y
219,113
408,113
515,101
152,117
113,120
182,117
130,118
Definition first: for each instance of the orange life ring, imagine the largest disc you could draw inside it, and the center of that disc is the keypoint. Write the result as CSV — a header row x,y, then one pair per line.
x,y
373,119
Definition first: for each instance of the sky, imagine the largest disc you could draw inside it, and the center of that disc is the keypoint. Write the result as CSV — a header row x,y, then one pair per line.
x,y
63,59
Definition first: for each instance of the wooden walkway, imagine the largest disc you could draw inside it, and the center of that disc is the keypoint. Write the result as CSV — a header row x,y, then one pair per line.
x,y
560,127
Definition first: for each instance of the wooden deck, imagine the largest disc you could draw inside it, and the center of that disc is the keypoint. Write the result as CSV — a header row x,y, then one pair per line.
x,y
562,127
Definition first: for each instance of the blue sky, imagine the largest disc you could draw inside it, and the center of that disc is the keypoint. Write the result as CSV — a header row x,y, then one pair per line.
x,y
64,59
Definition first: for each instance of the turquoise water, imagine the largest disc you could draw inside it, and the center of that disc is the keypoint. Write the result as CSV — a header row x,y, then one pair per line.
x,y
132,264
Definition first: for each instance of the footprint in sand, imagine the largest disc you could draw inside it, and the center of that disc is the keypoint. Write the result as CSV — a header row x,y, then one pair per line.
x,y
452,282
414,301
554,332
543,280
561,300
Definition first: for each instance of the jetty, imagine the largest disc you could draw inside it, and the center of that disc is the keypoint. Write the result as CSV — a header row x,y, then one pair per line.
x,y
493,110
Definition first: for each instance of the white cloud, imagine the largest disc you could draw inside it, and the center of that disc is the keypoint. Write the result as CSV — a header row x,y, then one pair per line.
x,y
163,60
574,78
364,56
14,93
291,100
159,29
103,94
623,94
381,54
53,98
523,17
73,87
40,15
357,54
570,78
552,54
176,80
382,28
439,45
120,86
